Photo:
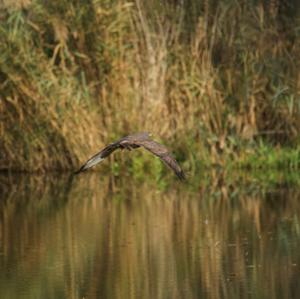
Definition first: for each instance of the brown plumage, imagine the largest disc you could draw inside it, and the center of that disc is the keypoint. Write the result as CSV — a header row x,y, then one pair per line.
x,y
135,141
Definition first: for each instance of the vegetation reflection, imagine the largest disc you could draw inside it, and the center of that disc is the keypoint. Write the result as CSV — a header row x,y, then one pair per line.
x,y
75,238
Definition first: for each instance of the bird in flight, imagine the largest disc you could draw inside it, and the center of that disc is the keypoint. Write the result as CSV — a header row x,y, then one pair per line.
x,y
135,141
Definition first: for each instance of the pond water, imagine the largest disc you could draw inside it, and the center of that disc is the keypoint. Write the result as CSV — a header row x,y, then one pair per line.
x,y
96,237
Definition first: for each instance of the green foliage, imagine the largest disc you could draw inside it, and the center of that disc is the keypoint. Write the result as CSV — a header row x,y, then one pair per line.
x,y
266,156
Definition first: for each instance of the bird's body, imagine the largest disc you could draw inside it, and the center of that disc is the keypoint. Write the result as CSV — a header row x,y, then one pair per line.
x,y
135,141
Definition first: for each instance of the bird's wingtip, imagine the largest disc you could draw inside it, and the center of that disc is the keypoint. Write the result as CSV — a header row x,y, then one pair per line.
x,y
81,169
181,175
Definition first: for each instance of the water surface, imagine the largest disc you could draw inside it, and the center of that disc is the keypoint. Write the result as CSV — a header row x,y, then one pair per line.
x,y
94,237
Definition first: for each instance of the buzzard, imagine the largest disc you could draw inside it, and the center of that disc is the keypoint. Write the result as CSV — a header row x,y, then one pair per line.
x,y
135,141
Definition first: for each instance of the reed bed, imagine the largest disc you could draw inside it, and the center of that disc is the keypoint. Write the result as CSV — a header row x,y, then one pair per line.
x,y
216,80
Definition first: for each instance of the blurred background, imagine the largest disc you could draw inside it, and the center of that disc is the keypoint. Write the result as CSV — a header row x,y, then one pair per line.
x,y
217,81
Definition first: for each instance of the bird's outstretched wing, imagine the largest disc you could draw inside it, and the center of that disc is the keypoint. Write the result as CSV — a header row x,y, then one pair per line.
x,y
99,156
134,141
162,152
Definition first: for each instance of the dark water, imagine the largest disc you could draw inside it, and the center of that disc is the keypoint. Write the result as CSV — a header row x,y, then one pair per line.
x,y
90,237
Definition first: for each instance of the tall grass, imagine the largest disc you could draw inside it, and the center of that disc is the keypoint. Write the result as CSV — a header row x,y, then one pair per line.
x,y
209,78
